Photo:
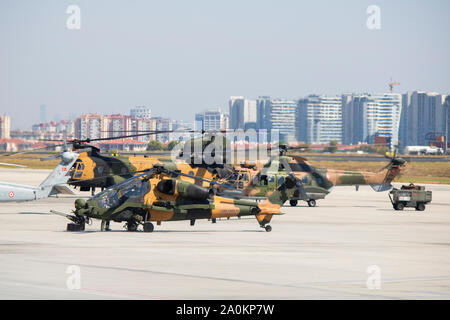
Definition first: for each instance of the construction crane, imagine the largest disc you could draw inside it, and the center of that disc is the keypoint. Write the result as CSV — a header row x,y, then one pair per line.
x,y
392,84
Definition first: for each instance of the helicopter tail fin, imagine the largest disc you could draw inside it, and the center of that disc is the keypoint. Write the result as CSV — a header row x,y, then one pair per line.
x,y
56,180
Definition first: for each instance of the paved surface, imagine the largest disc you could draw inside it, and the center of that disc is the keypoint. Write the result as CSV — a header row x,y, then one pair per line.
x,y
312,253
312,157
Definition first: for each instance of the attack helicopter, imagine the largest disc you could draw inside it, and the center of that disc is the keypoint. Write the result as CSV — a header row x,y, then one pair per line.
x,y
94,169
159,195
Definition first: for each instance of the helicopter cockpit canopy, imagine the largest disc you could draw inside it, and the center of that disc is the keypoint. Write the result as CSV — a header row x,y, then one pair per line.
x,y
132,189
76,172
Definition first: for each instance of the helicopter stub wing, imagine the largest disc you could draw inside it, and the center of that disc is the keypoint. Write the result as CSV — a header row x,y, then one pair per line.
x,y
61,189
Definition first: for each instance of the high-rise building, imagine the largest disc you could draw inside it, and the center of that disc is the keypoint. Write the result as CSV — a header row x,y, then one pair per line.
x,y
183,130
88,126
53,126
243,113
352,118
320,119
5,127
211,120
166,125
141,126
422,118
281,117
115,125
263,113
236,111
366,116
43,113
141,112
382,117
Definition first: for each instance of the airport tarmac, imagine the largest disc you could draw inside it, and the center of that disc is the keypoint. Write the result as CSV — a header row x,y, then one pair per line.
x,y
312,253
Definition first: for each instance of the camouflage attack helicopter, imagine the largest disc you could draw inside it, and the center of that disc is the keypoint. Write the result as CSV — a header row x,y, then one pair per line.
x,y
160,195
96,170
317,182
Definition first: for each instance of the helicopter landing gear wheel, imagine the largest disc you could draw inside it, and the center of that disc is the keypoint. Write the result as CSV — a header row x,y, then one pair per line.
x,y
132,226
148,227
268,228
311,202
293,203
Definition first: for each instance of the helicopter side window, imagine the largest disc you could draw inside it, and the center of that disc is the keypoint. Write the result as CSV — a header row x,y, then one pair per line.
x,y
132,190
245,177
136,191
319,181
79,170
234,177
264,181
305,179
280,180
271,178
110,200
166,186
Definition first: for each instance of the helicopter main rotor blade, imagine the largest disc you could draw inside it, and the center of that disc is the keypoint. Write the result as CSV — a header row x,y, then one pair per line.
x,y
212,182
50,157
31,150
12,165
64,143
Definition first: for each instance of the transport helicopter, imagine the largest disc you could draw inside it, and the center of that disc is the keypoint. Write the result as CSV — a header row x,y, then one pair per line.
x,y
159,195
317,182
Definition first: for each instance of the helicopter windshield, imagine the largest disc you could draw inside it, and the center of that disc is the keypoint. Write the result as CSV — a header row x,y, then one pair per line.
x,y
77,169
133,188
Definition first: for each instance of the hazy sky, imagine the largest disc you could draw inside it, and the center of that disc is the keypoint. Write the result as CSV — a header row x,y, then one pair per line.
x,y
179,57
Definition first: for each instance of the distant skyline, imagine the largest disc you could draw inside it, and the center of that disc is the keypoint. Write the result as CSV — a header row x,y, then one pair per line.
x,y
183,57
